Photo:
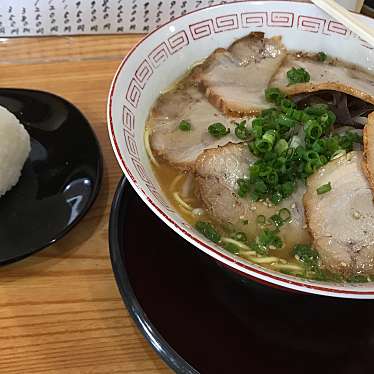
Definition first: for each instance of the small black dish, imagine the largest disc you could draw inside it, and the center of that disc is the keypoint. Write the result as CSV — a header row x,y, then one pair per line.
x,y
202,318
59,181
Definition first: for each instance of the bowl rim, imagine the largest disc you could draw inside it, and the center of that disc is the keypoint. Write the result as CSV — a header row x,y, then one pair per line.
x,y
245,268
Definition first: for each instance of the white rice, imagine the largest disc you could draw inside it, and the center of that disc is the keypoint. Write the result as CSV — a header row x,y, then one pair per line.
x,y
14,149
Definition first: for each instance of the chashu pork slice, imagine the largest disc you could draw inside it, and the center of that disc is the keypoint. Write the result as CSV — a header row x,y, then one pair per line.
x,y
341,221
332,75
368,159
181,148
217,171
235,79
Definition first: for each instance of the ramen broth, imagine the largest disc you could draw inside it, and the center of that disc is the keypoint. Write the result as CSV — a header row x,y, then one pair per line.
x,y
172,180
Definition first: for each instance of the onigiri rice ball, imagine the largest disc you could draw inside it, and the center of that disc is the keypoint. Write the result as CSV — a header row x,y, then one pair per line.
x,y
14,149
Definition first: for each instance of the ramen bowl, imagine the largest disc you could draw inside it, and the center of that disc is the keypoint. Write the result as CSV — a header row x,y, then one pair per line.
x,y
165,55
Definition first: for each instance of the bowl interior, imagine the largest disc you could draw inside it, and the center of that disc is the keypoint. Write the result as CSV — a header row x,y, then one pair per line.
x,y
164,55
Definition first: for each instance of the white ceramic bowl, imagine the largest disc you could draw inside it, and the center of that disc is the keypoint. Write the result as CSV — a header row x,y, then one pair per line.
x,y
165,54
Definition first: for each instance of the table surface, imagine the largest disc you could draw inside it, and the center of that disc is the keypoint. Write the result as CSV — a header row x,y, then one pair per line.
x,y
60,310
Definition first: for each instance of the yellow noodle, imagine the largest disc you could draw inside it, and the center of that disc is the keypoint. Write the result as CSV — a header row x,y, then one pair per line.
x,y
237,243
148,148
264,260
181,202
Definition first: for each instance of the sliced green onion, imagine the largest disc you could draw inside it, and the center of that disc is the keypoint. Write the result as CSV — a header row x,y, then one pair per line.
x,y
327,119
274,95
276,198
267,238
270,136
208,231
263,145
295,114
284,120
313,129
306,254
254,170
323,159
276,220
261,219
279,163
324,188
319,146
272,178
259,248
359,278
281,146
311,155
218,130
287,188
322,56
184,125
232,248
260,187
277,242
312,165
264,171
284,214
305,117
287,104
268,113
241,131
255,196
258,122
244,187
297,75
317,109
240,236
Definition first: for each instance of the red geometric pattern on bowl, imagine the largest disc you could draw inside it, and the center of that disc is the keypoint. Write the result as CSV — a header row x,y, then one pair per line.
x,y
281,19
226,23
311,24
202,29
131,145
153,189
132,149
365,44
338,28
128,119
133,93
210,26
178,41
253,19
139,167
143,73
159,55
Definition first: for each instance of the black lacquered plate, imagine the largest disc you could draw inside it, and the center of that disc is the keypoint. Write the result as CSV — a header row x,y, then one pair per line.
x,y
60,179
201,318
